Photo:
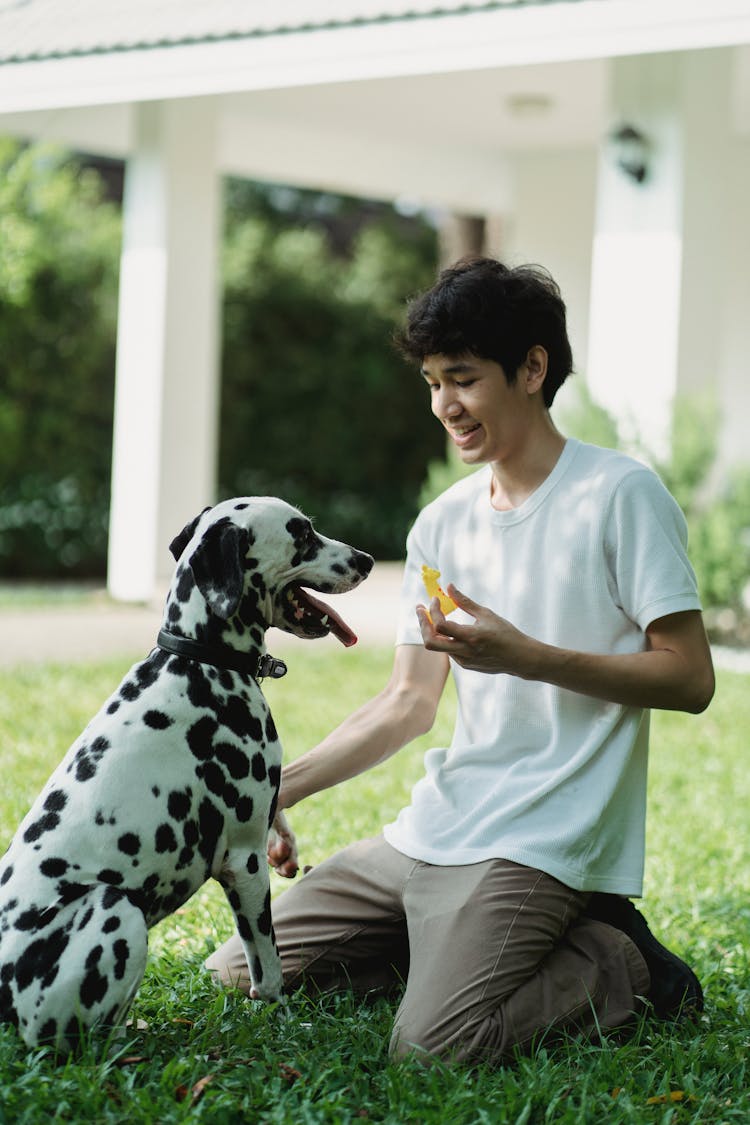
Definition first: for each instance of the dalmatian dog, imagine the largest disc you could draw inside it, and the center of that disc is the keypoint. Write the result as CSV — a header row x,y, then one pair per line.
x,y
173,781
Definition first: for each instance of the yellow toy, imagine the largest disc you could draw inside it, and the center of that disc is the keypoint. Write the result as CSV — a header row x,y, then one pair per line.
x,y
430,578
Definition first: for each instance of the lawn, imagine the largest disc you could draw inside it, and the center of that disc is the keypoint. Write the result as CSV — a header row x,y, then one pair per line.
x,y
206,1056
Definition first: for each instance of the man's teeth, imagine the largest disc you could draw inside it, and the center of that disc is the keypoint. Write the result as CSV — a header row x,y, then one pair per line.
x,y
461,430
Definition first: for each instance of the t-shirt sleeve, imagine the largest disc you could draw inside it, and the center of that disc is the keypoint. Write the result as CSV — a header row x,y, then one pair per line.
x,y
646,547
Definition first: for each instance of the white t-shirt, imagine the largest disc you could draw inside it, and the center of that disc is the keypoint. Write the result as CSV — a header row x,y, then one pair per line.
x,y
537,774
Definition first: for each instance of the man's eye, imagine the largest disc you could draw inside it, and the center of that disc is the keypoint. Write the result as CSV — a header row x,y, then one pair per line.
x,y
465,382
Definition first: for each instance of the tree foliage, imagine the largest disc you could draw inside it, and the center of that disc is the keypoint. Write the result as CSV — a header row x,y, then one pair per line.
x,y
58,289
316,405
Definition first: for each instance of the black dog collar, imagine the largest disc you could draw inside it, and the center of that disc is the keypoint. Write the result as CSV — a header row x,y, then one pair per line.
x,y
222,656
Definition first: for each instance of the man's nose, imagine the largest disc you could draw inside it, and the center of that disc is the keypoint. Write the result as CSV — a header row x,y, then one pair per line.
x,y
444,404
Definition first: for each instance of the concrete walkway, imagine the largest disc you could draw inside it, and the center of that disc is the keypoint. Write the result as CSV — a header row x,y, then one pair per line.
x,y
97,628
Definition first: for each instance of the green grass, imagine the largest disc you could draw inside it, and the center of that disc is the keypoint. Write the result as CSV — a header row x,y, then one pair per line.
x,y
52,595
213,1057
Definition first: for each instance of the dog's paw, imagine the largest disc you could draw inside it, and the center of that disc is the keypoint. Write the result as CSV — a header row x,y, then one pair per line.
x,y
282,848
269,988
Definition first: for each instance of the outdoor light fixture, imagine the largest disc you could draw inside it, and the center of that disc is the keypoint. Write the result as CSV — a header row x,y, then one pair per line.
x,y
632,150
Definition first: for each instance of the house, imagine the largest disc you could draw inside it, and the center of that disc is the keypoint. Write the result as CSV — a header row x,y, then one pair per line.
x,y
608,139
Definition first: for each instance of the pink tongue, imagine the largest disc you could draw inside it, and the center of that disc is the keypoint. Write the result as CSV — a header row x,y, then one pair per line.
x,y
333,622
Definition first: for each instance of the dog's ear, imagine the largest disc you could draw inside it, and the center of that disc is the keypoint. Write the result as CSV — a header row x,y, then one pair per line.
x,y
217,566
180,542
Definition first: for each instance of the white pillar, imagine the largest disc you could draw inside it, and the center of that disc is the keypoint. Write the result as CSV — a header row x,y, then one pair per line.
x,y
637,254
164,454
551,222
715,328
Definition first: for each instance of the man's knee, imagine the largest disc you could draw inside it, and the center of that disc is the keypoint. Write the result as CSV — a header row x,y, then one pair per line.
x,y
228,966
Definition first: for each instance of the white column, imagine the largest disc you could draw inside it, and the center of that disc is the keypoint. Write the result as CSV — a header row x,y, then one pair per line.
x,y
551,222
714,337
637,255
164,455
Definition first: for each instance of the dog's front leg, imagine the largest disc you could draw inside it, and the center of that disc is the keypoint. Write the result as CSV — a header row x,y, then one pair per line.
x,y
244,877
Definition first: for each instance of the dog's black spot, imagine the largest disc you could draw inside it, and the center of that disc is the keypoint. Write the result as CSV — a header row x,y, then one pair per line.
x,y
107,875
156,790
230,795
184,586
114,706
258,766
111,897
86,918
240,719
6,875
164,839
178,803
35,918
129,843
241,506
93,957
214,779
190,832
252,864
157,720
39,827
53,867
264,918
243,927
200,735
257,969
122,953
48,1031
112,923
85,767
244,809
271,732
211,825
233,759
93,987
40,960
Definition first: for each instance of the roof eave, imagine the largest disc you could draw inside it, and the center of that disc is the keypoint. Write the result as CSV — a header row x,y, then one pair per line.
x,y
498,38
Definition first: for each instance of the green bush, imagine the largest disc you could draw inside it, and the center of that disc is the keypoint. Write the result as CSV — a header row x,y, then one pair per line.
x,y
316,405
59,247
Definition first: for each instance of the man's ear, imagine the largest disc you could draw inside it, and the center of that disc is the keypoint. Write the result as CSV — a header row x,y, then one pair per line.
x,y
535,368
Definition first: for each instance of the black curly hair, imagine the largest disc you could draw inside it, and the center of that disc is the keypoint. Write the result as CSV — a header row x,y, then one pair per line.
x,y
481,307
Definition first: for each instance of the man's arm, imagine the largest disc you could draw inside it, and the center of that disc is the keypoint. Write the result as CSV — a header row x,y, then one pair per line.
x,y
401,712
674,673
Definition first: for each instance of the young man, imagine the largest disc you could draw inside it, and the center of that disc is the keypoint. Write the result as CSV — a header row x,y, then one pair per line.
x,y
499,895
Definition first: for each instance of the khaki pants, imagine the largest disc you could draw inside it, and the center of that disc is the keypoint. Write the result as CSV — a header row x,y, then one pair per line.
x,y
494,955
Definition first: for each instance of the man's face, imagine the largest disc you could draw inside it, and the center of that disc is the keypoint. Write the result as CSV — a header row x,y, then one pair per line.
x,y
487,419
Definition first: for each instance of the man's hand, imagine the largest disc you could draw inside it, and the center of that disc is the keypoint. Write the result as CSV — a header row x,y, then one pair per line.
x,y
491,644
282,848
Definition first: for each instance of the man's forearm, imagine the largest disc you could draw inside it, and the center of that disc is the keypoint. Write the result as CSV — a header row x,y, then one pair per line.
x,y
654,678
366,738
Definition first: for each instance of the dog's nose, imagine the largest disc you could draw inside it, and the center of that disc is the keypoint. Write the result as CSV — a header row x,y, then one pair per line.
x,y
362,563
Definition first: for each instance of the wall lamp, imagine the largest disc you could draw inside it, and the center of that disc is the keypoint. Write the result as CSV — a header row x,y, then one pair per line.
x,y
632,151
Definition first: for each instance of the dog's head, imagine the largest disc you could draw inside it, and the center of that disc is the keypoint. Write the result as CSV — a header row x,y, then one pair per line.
x,y
249,559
